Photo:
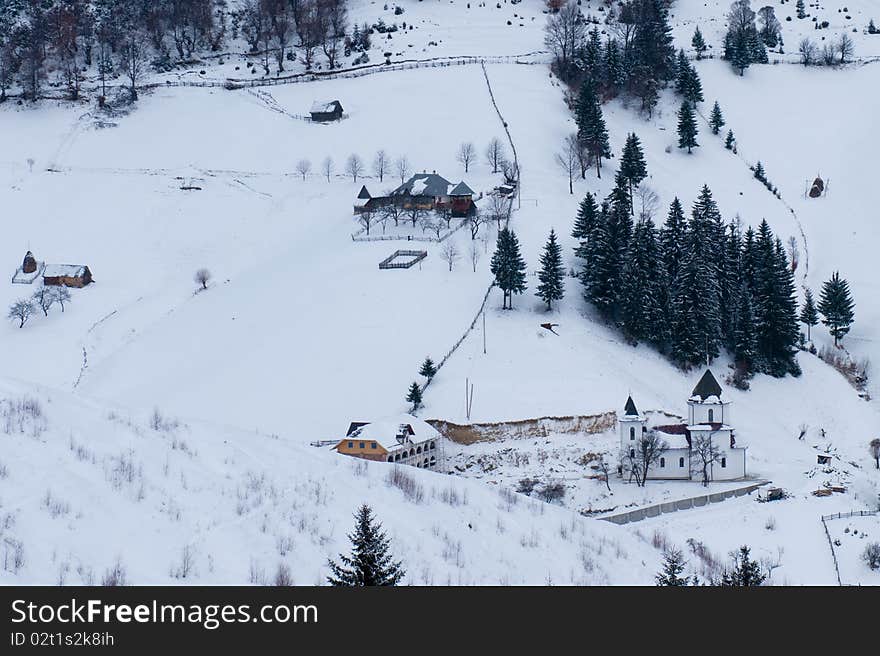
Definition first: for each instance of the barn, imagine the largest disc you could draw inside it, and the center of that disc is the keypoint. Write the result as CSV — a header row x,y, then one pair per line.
x,y
326,110
67,275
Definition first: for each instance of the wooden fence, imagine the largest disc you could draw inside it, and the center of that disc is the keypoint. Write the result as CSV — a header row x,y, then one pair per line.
x,y
389,263
826,518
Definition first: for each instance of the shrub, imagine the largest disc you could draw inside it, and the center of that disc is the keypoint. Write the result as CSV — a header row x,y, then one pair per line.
x,y
871,555
527,485
411,488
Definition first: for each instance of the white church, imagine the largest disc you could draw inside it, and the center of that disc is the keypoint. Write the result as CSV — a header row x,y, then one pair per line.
x,y
708,416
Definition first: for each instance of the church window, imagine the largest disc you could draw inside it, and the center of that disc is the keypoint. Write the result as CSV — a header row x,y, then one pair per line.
x,y
724,462
681,462
711,415
632,433
662,462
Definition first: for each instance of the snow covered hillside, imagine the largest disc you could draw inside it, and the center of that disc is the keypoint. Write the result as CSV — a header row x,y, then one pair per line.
x,y
174,422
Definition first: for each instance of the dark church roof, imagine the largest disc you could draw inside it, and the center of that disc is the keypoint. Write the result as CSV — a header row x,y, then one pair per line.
x,y
630,409
707,387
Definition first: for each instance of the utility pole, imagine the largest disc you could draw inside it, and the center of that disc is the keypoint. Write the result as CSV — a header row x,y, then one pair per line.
x,y
484,330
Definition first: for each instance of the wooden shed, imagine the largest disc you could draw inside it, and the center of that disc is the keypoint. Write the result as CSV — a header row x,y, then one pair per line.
x,y
326,110
67,275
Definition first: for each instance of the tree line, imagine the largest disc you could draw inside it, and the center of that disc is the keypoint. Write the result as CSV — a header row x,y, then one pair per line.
x,y
67,38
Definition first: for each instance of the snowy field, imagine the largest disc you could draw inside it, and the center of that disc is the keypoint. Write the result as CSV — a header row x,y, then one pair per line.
x,y
300,333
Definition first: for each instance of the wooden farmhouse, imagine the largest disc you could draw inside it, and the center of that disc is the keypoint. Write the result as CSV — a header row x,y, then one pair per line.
x,y
324,111
404,440
427,191
67,275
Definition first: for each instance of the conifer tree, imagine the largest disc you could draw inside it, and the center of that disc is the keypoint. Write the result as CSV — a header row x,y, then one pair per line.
x,y
632,165
428,369
687,127
508,267
730,141
592,133
673,238
612,65
716,119
801,13
745,572
551,274
682,73
693,88
586,218
837,306
809,314
642,286
370,563
414,396
759,172
744,337
673,566
698,43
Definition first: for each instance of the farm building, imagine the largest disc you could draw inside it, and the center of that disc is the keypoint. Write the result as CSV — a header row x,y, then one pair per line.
x,y
428,191
323,111
403,439
67,275
29,270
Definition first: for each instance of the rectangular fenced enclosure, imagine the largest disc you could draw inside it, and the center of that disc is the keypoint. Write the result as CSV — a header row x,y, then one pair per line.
x,y
402,259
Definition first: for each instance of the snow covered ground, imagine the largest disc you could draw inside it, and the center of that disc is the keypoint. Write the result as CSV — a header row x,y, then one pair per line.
x,y
300,333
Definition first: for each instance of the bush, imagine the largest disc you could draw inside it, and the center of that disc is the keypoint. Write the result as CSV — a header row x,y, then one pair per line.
x,y
871,555
553,492
412,489
527,485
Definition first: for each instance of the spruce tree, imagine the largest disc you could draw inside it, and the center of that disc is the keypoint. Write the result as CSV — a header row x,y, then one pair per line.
x,y
730,141
801,13
673,238
744,337
428,369
586,219
837,306
508,267
642,286
745,572
370,563
698,43
693,89
632,165
759,172
673,566
716,119
682,73
687,127
592,133
592,54
612,65
551,287
414,396
809,315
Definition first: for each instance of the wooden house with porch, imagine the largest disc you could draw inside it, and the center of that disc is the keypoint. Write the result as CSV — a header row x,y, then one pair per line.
x,y
427,191
402,440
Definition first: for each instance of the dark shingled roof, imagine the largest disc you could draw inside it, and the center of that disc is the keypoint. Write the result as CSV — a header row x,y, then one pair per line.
x,y
629,409
364,193
461,189
707,387
354,426
427,184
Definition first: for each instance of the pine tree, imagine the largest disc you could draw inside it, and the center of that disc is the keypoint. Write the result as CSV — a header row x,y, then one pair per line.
x,y
682,73
698,43
730,141
801,13
745,573
551,287
687,127
716,119
592,133
759,172
673,238
741,54
744,337
632,165
673,566
586,218
612,65
414,396
428,369
809,315
693,88
837,306
508,267
642,286
370,563
592,54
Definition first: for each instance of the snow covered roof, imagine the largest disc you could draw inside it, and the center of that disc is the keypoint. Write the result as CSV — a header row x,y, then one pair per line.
x,y
707,426
676,436
707,387
424,184
461,189
64,270
385,431
325,106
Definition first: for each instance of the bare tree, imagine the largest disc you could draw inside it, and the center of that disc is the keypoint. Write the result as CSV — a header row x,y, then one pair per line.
x,y
366,219
431,221
327,167
21,311
401,165
568,159
416,214
845,47
202,277
466,155
499,209
807,51
829,54
393,211
495,154
44,298
704,454
564,33
134,59
649,201
283,577
874,448
474,255
647,451
333,19
354,166
603,467
281,23
61,296
450,253
381,164
794,253
303,167
475,220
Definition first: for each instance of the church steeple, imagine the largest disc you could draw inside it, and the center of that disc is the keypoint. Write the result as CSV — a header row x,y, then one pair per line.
x,y
708,386
630,410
